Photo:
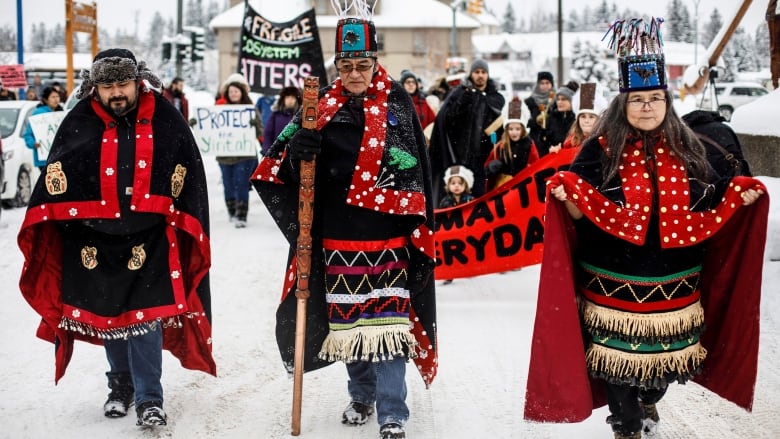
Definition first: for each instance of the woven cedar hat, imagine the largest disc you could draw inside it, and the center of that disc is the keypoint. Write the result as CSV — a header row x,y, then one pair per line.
x,y
355,36
514,112
589,100
639,48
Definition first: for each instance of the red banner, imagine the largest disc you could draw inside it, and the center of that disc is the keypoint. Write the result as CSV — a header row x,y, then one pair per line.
x,y
501,230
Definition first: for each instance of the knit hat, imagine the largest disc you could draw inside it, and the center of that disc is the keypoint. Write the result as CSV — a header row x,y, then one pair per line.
x,y
545,75
514,112
406,74
479,64
459,171
639,48
115,65
568,90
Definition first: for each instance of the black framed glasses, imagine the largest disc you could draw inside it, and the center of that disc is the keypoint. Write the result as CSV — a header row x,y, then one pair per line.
x,y
653,103
348,67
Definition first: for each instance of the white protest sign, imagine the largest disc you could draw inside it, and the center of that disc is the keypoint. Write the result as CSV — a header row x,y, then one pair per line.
x,y
44,127
225,130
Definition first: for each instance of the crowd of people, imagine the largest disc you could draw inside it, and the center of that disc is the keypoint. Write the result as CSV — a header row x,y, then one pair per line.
x,y
128,268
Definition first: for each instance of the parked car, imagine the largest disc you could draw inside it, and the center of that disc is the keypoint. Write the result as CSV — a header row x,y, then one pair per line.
x,y
731,95
20,174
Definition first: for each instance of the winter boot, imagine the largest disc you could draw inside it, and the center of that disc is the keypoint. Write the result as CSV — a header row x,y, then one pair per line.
x,y
242,208
151,414
650,419
121,397
231,209
392,430
357,413
637,435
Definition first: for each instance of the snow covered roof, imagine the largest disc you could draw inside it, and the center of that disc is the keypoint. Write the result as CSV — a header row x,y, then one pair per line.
x,y
395,14
49,61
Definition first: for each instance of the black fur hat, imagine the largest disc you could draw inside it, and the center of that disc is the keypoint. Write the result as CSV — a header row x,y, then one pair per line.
x,y
115,65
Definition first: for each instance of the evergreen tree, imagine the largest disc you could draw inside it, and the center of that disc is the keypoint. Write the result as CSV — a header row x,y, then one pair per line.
x,y
762,45
590,64
677,26
572,24
212,11
602,15
7,38
38,37
508,23
739,55
194,13
711,28
57,36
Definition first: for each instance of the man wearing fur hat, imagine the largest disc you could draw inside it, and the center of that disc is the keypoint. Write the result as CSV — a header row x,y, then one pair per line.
x,y
464,125
115,238
372,302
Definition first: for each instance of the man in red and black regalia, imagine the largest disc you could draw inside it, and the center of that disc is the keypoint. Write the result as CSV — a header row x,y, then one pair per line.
x,y
115,238
372,302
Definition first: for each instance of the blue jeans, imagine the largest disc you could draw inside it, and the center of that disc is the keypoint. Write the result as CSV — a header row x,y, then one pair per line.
x,y
141,357
235,179
383,382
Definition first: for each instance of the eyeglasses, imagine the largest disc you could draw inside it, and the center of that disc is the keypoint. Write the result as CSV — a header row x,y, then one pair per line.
x,y
348,67
653,103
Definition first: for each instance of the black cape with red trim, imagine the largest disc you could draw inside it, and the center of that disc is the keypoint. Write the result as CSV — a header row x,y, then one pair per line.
x,y
559,388
280,196
81,185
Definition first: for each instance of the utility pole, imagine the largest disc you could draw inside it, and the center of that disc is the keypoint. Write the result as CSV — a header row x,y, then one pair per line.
x,y
696,32
178,33
560,43
19,33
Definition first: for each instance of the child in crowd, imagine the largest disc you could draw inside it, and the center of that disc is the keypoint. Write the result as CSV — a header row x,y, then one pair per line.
x,y
457,182
589,107
513,152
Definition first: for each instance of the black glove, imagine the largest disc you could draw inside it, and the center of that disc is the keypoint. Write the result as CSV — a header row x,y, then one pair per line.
x,y
305,144
493,167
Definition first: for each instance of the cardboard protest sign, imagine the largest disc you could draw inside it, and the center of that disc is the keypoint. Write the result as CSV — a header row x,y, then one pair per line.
x,y
226,130
44,127
12,76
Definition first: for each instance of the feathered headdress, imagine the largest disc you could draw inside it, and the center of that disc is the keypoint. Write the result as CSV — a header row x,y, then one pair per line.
x,y
639,48
355,35
115,65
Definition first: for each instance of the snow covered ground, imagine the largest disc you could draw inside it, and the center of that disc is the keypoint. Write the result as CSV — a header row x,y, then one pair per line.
x,y
484,333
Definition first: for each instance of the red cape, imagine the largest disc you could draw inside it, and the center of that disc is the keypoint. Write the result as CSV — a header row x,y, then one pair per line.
x,y
559,388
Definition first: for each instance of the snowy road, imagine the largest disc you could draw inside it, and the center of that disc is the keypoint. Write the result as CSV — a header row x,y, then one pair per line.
x,y
484,333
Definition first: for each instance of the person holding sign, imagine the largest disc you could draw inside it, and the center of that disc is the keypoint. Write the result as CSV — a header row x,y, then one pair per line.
x,y
50,101
372,302
116,237
651,273
237,170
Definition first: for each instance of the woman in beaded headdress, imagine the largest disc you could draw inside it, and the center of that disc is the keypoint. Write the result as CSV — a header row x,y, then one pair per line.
x,y
649,240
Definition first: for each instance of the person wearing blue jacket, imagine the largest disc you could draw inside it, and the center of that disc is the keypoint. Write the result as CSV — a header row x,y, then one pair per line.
x,y
50,101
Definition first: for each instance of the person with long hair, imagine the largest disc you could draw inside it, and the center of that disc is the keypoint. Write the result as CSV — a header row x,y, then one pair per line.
x,y
645,242
50,101
237,170
589,107
514,152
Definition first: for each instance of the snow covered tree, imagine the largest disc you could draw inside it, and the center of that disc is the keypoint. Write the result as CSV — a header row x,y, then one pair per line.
x,y
739,55
573,24
602,14
677,24
7,38
762,45
57,36
711,28
590,64
38,37
508,22
194,13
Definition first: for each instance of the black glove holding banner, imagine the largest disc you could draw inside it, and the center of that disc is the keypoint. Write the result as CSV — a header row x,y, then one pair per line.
x,y
305,144
493,167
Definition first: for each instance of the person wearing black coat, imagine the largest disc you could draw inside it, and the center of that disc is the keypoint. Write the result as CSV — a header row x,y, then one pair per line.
x,y
559,120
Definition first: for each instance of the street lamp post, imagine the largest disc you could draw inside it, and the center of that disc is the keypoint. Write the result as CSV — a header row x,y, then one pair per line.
x,y
696,32
454,5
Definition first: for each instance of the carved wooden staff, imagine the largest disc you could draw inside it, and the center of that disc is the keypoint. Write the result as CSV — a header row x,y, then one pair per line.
x,y
303,249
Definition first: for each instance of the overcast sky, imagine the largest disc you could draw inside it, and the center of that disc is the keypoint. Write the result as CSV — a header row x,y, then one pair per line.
x,y
115,14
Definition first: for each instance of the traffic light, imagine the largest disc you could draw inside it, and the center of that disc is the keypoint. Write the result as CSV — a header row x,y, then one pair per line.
x,y
198,45
166,51
475,7
181,51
